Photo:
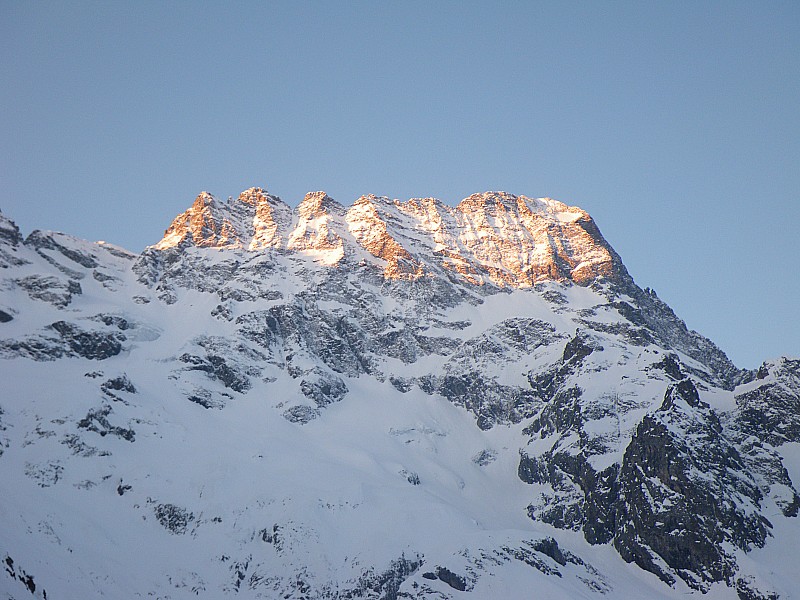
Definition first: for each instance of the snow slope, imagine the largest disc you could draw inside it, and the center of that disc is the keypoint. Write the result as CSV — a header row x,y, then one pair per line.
x,y
395,400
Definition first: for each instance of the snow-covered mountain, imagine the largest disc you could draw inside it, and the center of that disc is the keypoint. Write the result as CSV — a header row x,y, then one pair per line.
x,y
390,400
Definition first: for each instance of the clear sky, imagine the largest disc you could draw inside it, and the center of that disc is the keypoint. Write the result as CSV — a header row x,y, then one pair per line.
x,y
674,124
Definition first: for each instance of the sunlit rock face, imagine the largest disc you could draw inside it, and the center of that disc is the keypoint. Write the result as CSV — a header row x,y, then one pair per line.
x,y
204,224
494,237
270,221
520,240
372,220
255,221
317,228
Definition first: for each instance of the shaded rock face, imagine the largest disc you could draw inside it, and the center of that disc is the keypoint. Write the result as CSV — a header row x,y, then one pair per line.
x,y
9,232
771,410
385,583
26,580
580,495
648,311
491,401
682,497
50,289
97,420
677,495
768,417
323,388
88,344
47,241
65,339
217,368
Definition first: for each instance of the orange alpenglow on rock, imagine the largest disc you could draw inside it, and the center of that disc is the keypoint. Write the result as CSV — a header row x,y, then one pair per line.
x,y
490,238
318,228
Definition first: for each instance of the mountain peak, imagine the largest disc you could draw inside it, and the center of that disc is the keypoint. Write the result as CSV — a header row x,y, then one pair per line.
x,y
492,237
524,240
203,224
9,232
485,200
253,196
204,199
496,203
455,377
319,203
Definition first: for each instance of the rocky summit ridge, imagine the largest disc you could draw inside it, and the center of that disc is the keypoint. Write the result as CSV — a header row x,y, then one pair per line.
x,y
387,400
491,237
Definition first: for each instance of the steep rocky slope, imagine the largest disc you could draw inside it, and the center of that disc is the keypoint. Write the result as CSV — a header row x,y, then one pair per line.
x,y
395,399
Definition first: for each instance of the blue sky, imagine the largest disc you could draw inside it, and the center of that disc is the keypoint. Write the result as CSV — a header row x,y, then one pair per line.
x,y
674,124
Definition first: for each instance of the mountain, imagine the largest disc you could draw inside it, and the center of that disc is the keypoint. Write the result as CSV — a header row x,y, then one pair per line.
x,y
387,400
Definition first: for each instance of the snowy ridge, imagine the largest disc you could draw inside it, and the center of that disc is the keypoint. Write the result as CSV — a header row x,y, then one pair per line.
x,y
391,400
492,237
